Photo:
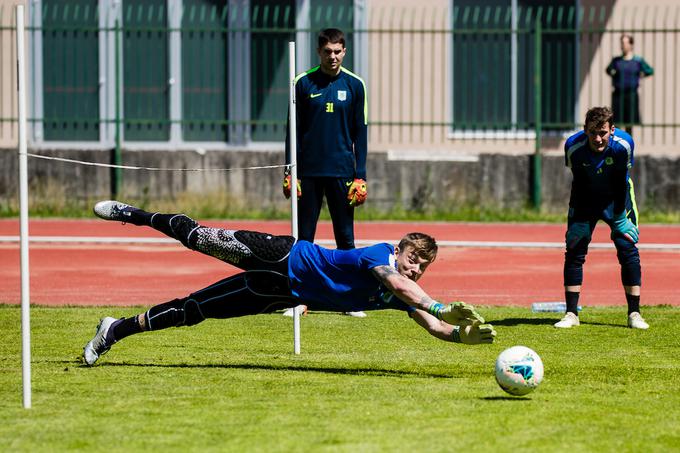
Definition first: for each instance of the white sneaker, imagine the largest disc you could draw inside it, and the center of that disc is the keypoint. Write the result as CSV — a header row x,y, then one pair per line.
x,y
569,320
636,321
98,345
355,314
301,309
112,210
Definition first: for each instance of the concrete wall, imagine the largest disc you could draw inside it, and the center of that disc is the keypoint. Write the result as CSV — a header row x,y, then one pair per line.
x,y
417,185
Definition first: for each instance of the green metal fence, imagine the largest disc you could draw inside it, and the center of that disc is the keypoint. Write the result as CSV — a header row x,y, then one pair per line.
x,y
216,70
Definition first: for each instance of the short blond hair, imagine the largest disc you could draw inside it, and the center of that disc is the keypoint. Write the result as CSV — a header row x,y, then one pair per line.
x,y
423,245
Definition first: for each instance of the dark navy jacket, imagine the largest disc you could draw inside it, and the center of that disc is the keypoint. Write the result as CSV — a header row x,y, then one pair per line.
x,y
332,136
601,180
626,73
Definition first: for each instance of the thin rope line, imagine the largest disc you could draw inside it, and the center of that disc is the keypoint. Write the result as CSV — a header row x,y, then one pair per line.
x,y
129,167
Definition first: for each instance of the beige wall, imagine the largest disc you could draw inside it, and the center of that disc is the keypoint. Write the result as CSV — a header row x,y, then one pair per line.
x,y
408,71
8,83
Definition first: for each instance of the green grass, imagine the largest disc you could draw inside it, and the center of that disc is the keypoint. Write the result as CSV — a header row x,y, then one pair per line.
x,y
374,384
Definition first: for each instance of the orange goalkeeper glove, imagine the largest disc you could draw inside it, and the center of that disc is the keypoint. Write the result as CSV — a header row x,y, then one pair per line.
x,y
286,187
357,192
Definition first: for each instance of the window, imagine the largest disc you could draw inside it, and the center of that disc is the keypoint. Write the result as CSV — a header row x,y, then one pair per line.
x,y
269,67
145,70
205,57
69,68
494,64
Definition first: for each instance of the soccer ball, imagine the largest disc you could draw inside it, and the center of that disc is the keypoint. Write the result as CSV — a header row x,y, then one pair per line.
x,y
519,370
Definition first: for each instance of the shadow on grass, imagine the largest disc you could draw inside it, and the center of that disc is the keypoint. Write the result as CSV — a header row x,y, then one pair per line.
x,y
301,368
545,321
505,398
518,321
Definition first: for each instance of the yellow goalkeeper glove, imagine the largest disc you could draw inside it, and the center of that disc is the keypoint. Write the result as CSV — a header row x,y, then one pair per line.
x,y
357,192
457,313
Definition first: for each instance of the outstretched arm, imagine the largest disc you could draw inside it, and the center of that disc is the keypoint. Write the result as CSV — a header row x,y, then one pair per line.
x,y
473,334
457,313
405,289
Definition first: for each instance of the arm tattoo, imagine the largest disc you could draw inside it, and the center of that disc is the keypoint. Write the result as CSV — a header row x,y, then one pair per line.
x,y
430,305
383,272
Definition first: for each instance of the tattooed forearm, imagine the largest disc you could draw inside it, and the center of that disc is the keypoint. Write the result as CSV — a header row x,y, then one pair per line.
x,y
426,302
405,289
383,272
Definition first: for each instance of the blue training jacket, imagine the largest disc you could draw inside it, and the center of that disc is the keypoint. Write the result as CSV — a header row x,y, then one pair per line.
x,y
332,132
600,179
341,280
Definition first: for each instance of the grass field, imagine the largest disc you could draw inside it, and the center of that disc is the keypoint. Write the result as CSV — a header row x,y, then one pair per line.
x,y
373,384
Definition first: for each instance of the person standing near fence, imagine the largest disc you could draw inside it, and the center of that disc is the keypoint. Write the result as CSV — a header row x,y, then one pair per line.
x,y
332,143
600,157
626,71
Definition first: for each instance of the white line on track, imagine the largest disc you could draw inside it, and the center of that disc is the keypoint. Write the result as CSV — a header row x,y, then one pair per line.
x,y
327,242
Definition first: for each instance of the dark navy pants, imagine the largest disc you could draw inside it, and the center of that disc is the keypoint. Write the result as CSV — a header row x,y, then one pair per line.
x,y
342,214
626,252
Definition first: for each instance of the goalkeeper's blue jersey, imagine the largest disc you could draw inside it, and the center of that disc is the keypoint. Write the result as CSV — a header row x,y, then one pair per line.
x,y
341,280
601,180
332,131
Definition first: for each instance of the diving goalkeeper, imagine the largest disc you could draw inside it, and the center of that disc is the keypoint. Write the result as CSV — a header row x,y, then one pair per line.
x,y
282,273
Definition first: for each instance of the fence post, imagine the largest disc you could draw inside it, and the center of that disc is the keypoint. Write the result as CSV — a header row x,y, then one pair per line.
x,y
117,176
536,188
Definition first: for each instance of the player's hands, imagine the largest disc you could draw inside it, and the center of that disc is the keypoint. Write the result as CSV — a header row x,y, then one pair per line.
x,y
287,184
477,334
460,314
623,226
357,192
576,233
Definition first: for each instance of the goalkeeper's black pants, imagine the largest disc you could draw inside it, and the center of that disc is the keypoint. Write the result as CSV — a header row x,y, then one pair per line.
x,y
243,294
263,288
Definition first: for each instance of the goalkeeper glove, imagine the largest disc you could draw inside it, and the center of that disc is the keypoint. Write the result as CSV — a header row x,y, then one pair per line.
x,y
623,226
476,334
576,232
357,192
287,184
457,313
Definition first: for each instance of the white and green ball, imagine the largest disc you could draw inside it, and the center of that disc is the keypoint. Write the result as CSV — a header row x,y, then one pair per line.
x,y
519,370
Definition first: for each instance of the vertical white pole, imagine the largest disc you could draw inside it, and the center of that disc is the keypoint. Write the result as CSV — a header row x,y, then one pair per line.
x,y
23,212
292,133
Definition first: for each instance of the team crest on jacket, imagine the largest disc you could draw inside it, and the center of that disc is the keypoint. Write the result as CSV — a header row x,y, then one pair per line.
x,y
342,95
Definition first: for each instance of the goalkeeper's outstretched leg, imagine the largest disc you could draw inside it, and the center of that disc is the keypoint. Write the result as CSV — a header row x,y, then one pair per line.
x,y
247,250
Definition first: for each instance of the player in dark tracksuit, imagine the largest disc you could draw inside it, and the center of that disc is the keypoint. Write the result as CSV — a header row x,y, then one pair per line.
x,y
332,141
626,71
600,158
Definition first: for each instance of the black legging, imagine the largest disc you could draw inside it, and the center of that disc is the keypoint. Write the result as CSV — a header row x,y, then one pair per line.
x,y
263,288
246,293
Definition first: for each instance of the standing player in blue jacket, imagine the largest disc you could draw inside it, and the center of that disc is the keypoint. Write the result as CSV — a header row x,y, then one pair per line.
x,y
332,143
600,157
281,272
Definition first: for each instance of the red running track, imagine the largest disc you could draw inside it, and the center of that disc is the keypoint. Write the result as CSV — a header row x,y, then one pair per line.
x,y
106,274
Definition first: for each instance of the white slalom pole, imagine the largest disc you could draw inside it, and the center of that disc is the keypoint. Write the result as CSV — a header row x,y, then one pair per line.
x,y
23,213
292,133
